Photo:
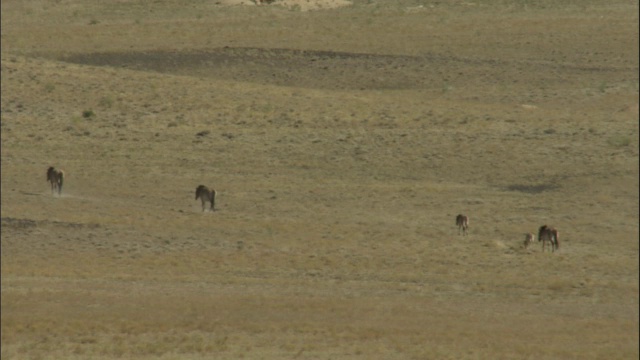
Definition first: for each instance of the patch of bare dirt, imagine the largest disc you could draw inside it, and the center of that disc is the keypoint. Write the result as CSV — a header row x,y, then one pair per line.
x,y
299,5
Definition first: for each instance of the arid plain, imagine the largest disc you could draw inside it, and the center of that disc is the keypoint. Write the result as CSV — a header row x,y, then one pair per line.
x,y
343,139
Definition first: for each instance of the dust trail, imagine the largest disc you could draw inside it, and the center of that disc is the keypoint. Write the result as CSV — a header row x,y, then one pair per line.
x,y
31,194
64,196
45,193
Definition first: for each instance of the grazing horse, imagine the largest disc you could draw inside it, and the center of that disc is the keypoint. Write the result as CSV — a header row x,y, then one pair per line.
x,y
528,239
205,194
551,235
56,178
462,222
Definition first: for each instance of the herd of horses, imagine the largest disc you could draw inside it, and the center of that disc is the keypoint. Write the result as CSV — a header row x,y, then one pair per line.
x,y
546,234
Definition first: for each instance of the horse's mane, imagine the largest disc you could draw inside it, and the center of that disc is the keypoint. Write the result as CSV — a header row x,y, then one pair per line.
x,y
540,231
199,190
50,172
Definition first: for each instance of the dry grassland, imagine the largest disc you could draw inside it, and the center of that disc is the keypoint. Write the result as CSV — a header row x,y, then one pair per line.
x,y
343,141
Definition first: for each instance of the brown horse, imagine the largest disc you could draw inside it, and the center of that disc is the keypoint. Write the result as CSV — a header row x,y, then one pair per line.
x,y
551,235
56,178
462,222
205,194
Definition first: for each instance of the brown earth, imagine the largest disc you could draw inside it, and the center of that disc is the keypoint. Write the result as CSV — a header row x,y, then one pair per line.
x,y
342,141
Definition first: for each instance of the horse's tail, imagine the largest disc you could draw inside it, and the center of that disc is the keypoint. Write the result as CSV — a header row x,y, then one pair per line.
x,y
61,181
213,199
49,170
556,235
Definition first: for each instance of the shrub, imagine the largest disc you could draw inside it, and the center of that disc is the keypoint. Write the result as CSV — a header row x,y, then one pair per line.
x,y
88,114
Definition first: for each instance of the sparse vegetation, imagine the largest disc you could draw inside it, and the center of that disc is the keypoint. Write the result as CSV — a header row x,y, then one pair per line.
x,y
343,142
602,87
619,141
106,101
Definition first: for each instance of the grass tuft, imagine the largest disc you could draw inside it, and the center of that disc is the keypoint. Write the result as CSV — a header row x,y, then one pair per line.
x,y
619,141
87,114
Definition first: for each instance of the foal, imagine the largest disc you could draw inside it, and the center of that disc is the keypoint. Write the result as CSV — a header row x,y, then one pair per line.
x,y
528,239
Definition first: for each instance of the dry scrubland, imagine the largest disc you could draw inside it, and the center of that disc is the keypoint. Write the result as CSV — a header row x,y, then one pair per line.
x,y
342,141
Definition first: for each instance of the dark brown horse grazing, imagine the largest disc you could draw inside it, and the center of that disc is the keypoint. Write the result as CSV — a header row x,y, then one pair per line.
x,y
56,178
551,235
205,194
462,222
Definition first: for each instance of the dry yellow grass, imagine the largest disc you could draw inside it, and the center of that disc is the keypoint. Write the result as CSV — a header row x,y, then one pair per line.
x,y
342,143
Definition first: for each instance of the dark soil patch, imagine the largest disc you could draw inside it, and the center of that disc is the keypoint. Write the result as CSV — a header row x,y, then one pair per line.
x,y
283,67
328,69
532,189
